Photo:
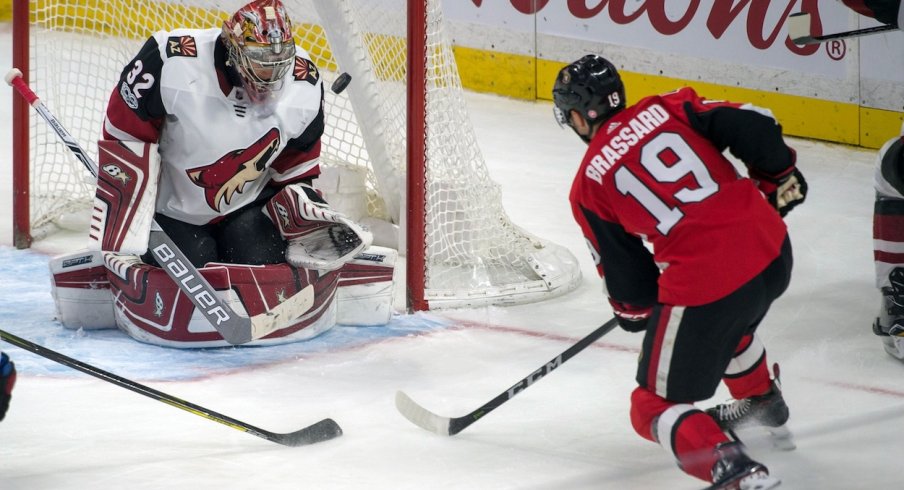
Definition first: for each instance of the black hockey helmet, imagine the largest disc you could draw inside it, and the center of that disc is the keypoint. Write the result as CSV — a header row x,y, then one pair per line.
x,y
591,86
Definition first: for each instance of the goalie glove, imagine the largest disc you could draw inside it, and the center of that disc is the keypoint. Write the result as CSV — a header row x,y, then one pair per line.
x,y
784,192
319,237
632,318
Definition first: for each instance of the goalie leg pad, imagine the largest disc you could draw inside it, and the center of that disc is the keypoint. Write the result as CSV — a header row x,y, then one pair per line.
x,y
319,237
152,309
81,291
125,196
366,288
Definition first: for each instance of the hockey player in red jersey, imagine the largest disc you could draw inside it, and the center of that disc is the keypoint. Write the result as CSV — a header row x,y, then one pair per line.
x,y
717,254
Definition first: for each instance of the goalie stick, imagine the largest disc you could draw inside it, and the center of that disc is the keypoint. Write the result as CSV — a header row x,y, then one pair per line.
x,y
323,430
799,30
234,328
449,426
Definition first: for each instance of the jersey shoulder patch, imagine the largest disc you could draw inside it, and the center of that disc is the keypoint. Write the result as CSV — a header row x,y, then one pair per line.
x,y
181,46
305,70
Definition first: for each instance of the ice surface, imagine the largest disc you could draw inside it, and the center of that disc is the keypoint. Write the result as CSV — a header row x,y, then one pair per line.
x,y
66,430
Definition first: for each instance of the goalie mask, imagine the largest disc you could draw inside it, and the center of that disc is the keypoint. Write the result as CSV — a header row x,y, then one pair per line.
x,y
591,86
259,40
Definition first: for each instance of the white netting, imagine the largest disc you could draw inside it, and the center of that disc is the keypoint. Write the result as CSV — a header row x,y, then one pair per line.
x,y
474,254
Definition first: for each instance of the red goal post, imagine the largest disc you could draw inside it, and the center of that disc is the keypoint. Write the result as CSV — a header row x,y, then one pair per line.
x,y
412,142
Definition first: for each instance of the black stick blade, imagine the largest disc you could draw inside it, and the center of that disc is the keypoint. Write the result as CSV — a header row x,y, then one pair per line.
x,y
321,431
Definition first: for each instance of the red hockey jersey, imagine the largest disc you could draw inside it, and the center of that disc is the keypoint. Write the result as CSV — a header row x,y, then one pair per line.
x,y
667,216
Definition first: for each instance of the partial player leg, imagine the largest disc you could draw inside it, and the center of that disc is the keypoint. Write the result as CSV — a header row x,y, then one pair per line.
x,y
767,408
758,399
888,246
889,323
7,381
662,407
734,470
699,446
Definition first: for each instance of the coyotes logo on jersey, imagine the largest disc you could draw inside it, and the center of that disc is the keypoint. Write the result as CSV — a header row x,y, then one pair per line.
x,y
228,175
305,70
181,46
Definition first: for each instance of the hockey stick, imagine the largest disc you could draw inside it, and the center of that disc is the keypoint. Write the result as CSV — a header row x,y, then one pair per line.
x,y
321,431
449,426
799,30
234,328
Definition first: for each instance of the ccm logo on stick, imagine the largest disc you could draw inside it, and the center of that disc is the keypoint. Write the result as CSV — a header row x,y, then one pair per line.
x,y
539,373
202,297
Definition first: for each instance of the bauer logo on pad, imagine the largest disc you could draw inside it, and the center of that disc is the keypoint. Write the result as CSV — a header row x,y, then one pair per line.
x,y
181,46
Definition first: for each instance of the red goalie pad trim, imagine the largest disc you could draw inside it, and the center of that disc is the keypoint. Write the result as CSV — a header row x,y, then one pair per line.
x,y
149,301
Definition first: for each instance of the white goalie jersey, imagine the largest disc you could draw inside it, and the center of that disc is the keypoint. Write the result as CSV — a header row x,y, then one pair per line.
x,y
218,149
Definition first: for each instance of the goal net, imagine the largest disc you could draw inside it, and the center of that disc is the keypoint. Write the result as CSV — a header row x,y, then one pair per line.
x,y
465,252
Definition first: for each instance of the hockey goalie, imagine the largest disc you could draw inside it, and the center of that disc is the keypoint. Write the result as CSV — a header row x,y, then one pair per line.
x,y
212,136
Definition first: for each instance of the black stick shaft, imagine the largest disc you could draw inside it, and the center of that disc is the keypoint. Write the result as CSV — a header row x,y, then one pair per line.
x,y
458,424
326,429
849,34
800,30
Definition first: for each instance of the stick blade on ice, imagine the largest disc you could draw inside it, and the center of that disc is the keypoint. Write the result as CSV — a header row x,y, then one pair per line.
x,y
321,431
420,416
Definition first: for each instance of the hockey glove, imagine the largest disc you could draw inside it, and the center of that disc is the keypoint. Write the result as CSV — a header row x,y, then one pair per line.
x,y
784,192
319,237
7,380
631,317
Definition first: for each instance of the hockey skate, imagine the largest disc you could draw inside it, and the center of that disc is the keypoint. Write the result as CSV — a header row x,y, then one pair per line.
x,y
734,470
890,323
768,411
893,342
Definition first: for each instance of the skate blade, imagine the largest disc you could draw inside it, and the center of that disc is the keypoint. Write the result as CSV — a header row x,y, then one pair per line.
x,y
782,438
755,480
760,483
